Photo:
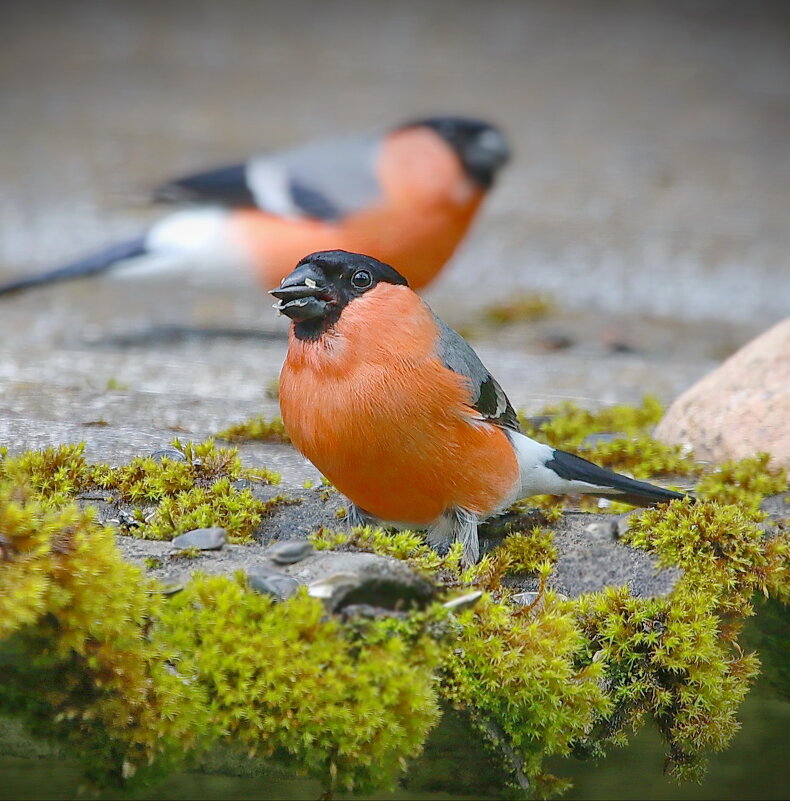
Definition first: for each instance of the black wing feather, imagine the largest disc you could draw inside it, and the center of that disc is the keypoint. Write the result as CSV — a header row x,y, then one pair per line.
x,y
488,398
226,185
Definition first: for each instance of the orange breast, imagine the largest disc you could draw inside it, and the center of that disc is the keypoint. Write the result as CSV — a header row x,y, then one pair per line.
x,y
371,406
425,208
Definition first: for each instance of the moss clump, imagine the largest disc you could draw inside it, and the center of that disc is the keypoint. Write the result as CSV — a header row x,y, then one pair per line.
x,y
192,491
721,548
256,429
345,704
73,622
567,424
664,658
239,512
56,474
203,464
134,681
408,546
195,492
677,659
524,307
744,483
517,675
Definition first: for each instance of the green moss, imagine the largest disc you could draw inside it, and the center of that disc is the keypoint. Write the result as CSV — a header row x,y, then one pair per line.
x,y
56,474
519,672
187,553
134,681
566,425
73,620
344,704
347,702
721,548
195,492
676,659
744,483
524,307
407,546
665,658
239,512
256,428
203,464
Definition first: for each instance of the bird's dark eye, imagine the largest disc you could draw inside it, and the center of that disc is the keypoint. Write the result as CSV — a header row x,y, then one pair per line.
x,y
362,279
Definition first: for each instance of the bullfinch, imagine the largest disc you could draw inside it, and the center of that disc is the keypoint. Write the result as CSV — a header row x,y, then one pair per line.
x,y
407,197
399,413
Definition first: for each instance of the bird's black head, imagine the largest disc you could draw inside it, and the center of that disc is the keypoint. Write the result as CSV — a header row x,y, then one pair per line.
x,y
324,283
480,146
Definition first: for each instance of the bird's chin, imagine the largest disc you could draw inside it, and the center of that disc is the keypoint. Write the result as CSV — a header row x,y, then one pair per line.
x,y
301,309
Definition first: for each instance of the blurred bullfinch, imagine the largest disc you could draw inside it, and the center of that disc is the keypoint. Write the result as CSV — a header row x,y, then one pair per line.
x,y
407,197
399,413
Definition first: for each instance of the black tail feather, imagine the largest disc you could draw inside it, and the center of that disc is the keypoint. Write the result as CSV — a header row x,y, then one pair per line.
x,y
612,485
90,265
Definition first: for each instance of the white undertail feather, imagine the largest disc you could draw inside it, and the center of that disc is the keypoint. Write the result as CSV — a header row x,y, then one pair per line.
x,y
195,241
537,479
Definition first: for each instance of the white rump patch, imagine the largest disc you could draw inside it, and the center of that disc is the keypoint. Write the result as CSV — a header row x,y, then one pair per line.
x,y
196,242
536,478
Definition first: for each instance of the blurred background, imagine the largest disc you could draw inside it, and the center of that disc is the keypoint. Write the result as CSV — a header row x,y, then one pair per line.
x,y
648,195
643,219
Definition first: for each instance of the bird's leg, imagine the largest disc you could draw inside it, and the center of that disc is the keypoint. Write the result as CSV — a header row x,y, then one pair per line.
x,y
356,517
456,524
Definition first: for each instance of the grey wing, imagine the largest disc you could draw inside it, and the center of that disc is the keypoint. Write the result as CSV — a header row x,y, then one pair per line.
x,y
488,397
323,180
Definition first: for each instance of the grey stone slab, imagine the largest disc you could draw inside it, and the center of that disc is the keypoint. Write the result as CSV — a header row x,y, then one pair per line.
x,y
204,539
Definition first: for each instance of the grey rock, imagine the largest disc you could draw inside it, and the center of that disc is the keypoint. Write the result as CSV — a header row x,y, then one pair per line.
x,y
288,552
204,539
276,584
344,579
590,564
777,507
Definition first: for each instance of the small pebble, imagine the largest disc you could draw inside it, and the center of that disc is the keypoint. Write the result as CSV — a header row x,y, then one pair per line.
x,y
168,453
289,552
264,568
525,598
605,530
127,519
463,601
277,584
204,539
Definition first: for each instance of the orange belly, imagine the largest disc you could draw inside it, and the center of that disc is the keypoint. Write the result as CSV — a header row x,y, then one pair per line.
x,y
375,411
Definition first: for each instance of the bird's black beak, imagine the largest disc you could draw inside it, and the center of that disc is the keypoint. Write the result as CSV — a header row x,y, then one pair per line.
x,y
303,295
